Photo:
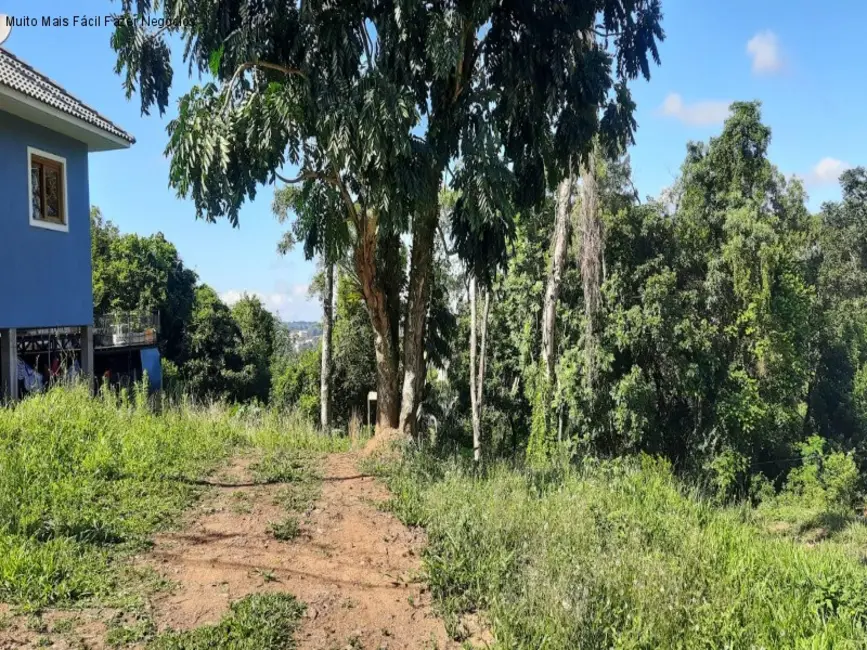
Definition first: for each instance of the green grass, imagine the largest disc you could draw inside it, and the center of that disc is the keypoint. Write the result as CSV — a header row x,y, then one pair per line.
x,y
258,622
619,555
84,480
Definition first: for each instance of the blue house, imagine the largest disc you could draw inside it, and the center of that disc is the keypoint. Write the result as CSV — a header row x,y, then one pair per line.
x,y
46,135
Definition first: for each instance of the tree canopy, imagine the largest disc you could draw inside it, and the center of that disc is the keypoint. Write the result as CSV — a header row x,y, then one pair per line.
x,y
134,273
373,101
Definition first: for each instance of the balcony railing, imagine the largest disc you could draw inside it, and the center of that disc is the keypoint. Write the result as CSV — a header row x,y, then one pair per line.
x,y
126,329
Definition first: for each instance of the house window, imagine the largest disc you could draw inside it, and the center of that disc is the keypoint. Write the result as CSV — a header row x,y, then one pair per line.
x,y
47,183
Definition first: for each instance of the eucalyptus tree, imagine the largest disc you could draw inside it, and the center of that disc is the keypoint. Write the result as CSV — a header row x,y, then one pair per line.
x,y
559,248
284,207
372,101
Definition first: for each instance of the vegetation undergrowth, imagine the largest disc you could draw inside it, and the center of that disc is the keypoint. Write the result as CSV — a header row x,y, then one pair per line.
x,y
83,480
257,622
287,529
618,554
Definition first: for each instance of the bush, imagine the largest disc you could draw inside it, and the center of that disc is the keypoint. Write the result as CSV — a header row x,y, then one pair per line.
x,y
824,479
729,475
295,384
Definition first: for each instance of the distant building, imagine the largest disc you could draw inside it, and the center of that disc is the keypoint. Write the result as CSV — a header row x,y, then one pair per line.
x,y
305,339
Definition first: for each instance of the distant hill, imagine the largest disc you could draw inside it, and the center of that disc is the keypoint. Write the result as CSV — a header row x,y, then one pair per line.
x,y
303,326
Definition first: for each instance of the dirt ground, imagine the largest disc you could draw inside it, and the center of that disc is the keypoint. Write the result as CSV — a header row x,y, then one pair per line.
x,y
354,566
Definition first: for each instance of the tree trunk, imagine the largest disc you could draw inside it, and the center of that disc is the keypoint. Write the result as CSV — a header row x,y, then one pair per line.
x,y
478,365
387,382
414,367
379,307
559,249
327,326
591,260
474,398
483,352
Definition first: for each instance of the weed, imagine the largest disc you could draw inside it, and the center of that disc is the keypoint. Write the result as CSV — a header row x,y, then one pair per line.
x,y
241,503
297,497
281,466
65,625
267,575
35,623
120,635
286,530
260,622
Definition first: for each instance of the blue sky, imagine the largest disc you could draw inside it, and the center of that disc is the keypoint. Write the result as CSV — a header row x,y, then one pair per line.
x,y
801,58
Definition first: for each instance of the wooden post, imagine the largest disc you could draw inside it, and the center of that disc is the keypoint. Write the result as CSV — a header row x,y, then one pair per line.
x,y
8,365
87,353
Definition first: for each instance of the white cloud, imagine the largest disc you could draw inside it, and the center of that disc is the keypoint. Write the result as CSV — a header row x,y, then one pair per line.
x,y
696,114
288,301
764,48
826,172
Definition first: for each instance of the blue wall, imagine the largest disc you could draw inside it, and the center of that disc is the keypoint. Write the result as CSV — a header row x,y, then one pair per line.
x,y
151,364
45,276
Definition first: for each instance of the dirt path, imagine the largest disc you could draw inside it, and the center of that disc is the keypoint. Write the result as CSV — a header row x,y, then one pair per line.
x,y
353,565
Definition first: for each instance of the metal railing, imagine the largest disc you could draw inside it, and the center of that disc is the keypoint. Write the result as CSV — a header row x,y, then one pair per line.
x,y
126,329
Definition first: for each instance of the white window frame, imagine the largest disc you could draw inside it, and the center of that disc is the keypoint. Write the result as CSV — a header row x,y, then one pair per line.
x,y
41,223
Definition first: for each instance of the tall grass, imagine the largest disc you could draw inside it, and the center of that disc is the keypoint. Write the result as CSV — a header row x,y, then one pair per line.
x,y
618,555
82,478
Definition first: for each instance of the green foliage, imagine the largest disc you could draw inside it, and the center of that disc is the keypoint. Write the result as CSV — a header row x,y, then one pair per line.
x,y
257,622
542,433
257,326
213,364
354,372
616,554
825,479
295,383
171,374
732,324
390,96
134,273
729,472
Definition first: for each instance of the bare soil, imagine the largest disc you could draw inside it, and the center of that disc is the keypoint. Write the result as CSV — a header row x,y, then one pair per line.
x,y
354,566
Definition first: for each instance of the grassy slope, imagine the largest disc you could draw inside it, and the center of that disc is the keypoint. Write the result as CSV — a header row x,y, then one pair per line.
x,y
617,555
83,480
